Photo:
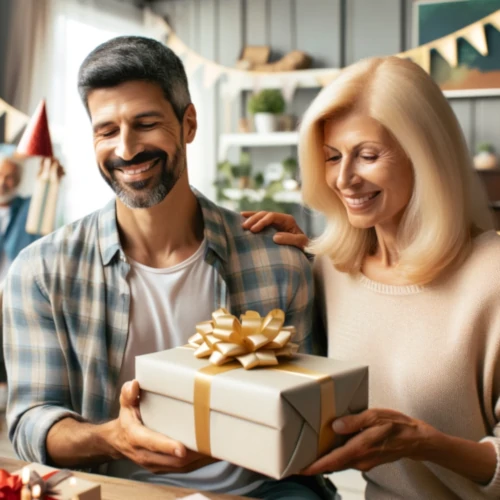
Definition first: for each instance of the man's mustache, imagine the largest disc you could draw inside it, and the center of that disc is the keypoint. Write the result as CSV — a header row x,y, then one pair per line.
x,y
142,157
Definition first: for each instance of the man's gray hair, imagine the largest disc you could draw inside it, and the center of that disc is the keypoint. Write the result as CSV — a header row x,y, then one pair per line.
x,y
130,58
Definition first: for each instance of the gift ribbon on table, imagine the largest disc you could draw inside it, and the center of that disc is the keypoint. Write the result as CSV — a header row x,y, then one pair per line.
x,y
11,484
253,334
48,482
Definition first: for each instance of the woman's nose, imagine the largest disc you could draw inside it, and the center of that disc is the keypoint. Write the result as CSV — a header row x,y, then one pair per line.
x,y
346,174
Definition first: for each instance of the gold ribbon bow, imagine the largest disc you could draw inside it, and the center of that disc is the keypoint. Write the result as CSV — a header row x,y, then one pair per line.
x,y
255,341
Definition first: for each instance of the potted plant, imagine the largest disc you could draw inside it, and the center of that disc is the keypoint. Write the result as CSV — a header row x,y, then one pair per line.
x,y
242,174
485,158
290,165
258,180
266,105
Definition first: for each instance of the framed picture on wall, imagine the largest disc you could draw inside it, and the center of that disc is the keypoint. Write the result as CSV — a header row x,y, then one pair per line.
x,y
475,74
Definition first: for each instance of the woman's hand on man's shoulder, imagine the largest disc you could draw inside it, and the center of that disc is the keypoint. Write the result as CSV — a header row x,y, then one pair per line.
x,y
289,233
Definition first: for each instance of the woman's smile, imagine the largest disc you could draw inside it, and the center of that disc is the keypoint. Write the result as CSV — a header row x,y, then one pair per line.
x,y
360,202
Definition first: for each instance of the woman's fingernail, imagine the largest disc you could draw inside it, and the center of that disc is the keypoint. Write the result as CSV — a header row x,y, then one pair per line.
x,y
178,453
338,426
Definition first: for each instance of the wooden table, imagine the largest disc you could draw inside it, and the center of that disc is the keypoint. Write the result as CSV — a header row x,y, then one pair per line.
x,y
123,489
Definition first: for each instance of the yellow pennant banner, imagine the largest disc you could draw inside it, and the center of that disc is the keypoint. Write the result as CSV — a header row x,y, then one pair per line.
x,y
494,20
15,121
477,38
447,46
422,57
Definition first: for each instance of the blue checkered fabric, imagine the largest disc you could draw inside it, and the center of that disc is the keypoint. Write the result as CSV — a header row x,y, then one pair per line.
x,y
66,314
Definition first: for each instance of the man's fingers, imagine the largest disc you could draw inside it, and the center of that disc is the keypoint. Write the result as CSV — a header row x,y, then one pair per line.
x,y
129,394
134,391
248,213
142,437
158,462
296,240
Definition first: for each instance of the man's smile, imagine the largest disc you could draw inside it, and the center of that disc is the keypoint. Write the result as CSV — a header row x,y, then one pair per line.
x,y
136,172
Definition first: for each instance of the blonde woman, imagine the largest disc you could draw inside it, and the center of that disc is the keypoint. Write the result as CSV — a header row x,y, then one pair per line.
x,y
408,272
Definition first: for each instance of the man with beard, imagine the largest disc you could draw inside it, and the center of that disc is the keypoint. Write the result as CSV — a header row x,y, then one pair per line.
x,y
134,278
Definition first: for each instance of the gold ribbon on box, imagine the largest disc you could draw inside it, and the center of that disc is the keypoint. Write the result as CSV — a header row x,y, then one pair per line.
x,y
253,342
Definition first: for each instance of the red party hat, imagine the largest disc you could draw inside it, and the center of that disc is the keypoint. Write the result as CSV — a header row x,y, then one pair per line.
x,y
36,138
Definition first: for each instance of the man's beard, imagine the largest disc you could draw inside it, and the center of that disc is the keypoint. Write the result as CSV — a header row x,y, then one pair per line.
x,y
153,190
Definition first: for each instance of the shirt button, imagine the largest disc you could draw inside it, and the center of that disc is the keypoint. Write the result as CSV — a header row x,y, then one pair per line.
x,y
123,258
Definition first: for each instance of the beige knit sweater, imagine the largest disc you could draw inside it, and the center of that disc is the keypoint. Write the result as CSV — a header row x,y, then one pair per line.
x,y
433,353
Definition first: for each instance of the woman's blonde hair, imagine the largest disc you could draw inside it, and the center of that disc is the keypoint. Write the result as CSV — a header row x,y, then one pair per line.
x,y
448,201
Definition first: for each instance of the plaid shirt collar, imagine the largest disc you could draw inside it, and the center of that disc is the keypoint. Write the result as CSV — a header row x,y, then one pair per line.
x,y
109,239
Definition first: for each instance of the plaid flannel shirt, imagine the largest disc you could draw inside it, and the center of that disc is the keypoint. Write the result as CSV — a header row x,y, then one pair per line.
x,y
66,314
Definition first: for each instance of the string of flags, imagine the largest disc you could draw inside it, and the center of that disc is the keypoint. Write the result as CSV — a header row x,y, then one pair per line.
x,y
474,34
235,79
288,81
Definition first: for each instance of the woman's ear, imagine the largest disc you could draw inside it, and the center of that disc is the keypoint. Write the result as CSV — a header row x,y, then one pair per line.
x,y
190,123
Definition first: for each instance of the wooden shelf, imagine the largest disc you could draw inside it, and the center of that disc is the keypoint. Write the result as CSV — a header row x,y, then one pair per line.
x,y
304,79
257,195
253,139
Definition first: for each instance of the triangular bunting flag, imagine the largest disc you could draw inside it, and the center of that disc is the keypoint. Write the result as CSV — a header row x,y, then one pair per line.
x,y
494,19
14,123
288,87
211,75
175,43
422,57
233,84
476,37
156,26
191,63
36,138
448,49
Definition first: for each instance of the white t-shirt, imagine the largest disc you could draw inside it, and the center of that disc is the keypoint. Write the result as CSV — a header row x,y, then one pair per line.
x,y
165,306
4,223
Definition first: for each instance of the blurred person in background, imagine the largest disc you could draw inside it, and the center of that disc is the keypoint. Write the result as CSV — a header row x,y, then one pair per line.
x,y
13,214
13,236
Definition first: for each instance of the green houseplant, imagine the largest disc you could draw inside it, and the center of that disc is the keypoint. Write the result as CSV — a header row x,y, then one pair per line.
x,y
485,158
290,165
265,106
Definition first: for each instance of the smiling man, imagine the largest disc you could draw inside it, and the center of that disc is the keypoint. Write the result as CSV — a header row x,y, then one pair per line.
x,y
134,278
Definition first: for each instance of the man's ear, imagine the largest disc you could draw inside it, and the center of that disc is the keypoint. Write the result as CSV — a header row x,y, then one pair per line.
x,y
190,123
